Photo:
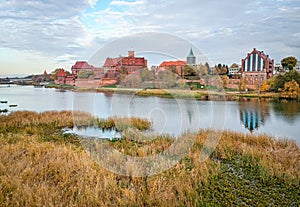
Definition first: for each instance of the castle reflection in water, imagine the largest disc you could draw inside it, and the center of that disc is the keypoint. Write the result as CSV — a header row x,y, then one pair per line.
x,y
253,114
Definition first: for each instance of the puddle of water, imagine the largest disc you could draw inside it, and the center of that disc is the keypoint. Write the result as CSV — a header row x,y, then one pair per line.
x,y
95,132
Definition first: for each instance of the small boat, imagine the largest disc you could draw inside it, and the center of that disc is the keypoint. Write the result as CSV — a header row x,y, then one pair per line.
x,y
3,102
3,111
13,105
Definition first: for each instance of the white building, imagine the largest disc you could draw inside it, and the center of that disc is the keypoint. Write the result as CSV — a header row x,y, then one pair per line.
x,y
233,71
278,68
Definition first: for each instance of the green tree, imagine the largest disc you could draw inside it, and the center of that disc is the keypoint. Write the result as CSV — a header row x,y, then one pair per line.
x,y
242,84
221,69
189,71
203,71
224,79
279,80
209,69
207,65
147,75
166,79
290,90
131,81
86,74
292,75
265,86
289,62
234,65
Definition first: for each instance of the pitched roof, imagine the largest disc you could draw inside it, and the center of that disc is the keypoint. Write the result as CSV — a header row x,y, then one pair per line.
x,y
61,73
191,55
110,62
172,63
81,65
260,53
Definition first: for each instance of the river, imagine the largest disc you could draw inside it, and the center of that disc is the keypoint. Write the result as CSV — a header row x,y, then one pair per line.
x,y
172,116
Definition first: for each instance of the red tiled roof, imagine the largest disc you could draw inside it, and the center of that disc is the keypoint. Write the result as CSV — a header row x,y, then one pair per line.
x,y
81,65
111,62
137,61
263,55
61,73
172,63
260,53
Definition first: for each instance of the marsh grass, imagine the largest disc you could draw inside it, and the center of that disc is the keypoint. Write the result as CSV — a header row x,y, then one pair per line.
x,y
123,123
41,166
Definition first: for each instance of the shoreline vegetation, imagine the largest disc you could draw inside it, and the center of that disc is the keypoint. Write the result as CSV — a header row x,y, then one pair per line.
x,y
198,94
40,165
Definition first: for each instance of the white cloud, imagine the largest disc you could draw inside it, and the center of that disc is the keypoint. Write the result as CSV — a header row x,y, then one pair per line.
x,y
125,3
92,3
225,30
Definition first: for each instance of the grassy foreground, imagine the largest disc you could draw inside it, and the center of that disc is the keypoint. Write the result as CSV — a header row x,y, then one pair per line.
x,y
41,166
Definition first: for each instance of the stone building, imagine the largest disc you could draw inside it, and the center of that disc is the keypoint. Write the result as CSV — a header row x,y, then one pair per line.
x,y
61,77
257,67
127,65
173,66
84,66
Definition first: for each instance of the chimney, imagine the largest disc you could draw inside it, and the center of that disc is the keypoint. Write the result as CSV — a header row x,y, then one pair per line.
x,y
131,54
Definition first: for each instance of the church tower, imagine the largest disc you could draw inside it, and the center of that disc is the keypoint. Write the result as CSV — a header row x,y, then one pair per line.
x,y
191,58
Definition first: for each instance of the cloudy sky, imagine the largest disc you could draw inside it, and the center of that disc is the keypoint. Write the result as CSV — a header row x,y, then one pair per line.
x,y
46,34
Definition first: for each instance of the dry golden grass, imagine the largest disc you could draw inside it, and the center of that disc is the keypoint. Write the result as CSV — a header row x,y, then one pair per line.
x,y
280,157
123,123
39,166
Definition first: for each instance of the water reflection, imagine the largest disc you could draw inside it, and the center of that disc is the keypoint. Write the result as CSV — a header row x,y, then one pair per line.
x,y
253,114
169,116
96,132
288,110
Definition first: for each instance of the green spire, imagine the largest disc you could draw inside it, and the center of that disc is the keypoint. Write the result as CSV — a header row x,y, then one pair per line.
x,y
191,54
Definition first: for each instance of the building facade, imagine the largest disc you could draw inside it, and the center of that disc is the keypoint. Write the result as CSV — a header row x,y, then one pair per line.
x,y
127,65
61,77
234,70
173,66
84,66
257,67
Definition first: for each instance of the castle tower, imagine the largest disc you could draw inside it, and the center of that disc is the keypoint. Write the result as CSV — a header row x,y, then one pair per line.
x,y
131,54
191,58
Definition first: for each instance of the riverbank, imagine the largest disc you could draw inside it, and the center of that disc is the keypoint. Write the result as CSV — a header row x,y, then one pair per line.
x,y
40,165
199,94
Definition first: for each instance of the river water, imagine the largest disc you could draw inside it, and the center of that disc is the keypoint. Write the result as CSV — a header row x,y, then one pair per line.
x,y
168,116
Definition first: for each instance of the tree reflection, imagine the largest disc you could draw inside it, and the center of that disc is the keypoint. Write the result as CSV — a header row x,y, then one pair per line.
x,y
289,110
